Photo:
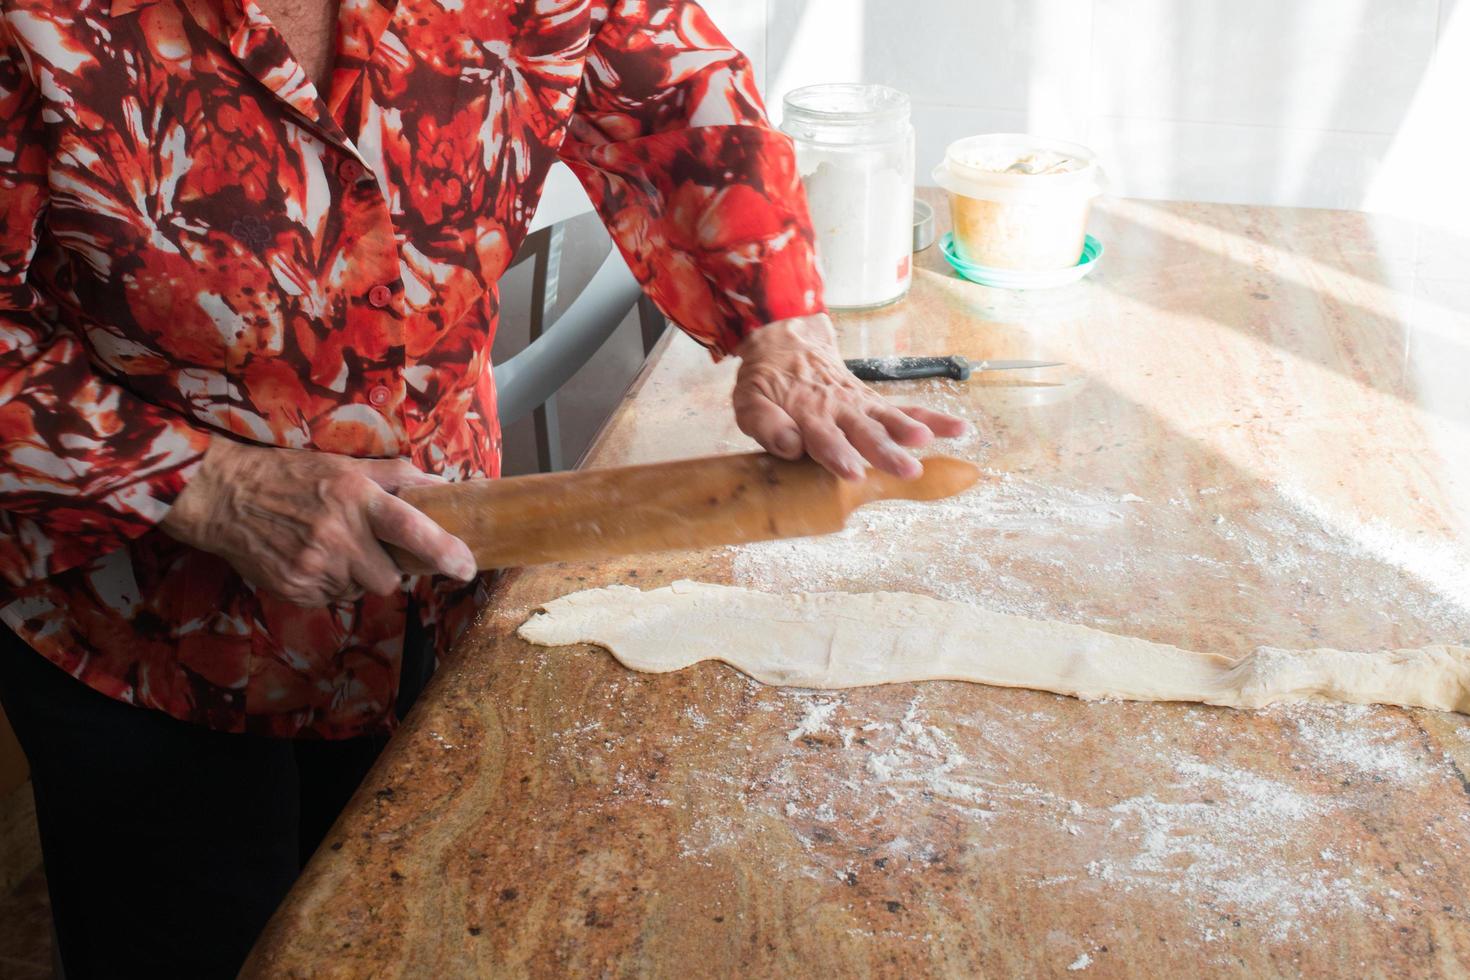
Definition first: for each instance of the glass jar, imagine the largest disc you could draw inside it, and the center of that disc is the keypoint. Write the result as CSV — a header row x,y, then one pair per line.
x,y
855,151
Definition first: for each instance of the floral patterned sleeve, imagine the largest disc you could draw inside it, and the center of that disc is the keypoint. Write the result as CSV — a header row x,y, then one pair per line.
x,y
701,195
84,465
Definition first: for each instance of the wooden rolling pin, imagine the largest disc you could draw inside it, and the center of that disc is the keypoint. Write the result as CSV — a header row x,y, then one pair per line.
x,y
692,503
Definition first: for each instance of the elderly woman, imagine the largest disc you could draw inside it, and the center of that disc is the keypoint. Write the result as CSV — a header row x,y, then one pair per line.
x,y
247,290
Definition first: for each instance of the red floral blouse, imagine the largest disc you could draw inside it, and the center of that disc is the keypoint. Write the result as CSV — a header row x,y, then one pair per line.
x,y
199,244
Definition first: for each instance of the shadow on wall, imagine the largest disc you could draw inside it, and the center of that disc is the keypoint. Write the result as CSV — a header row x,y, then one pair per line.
x,y
1423,176
1288,93
1238,101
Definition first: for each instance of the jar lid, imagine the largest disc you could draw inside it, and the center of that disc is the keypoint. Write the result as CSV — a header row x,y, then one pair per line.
x,y
923,225
1010,166
845,112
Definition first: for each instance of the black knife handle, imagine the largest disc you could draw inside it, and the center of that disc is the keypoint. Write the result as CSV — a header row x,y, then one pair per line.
x,y
909,368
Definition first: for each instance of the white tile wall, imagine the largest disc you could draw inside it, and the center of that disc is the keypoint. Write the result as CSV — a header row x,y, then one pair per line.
x,y
1236,164
810,41
744,23
1315,64
979,54
995,43
1424,174
1292,102
935,127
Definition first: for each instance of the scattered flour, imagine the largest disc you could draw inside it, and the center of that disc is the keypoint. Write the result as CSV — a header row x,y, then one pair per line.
x,y
1052,550
1361,741
815,719
1336,564
1197,828
1215,843
1442,565
1226,854
876,549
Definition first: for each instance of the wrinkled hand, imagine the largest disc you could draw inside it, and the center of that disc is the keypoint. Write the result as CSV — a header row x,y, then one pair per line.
x,y
794,395
307,526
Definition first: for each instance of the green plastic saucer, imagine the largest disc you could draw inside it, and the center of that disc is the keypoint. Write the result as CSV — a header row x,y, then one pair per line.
x,y
1092,251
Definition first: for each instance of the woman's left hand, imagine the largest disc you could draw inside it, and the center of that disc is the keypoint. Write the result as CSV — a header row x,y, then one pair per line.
x,y
794,395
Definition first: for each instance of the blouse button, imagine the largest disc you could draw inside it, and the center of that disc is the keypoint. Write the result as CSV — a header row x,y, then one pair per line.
x,y
350,171
379,396
380,296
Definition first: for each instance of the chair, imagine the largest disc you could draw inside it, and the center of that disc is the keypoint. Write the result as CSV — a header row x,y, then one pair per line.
x,y
529,381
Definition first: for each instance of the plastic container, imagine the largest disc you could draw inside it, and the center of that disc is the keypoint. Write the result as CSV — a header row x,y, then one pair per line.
x,y
855,151
1019,202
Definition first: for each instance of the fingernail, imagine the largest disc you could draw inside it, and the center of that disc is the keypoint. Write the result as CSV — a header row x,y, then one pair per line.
x,y
787,443
466,569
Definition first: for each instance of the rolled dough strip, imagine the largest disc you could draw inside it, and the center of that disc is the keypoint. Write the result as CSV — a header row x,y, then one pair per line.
x,y
837,640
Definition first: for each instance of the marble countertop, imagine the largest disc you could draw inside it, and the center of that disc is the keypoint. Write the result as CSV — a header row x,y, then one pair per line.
x,y
1262,436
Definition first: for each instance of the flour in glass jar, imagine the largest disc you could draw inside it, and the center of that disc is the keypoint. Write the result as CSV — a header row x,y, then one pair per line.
x,y
855,151
863,218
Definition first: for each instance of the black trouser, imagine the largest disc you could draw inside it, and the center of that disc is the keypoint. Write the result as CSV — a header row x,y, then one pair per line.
x,y
167,845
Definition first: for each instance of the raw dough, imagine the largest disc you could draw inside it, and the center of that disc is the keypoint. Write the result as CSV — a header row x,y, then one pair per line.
x,y
836,640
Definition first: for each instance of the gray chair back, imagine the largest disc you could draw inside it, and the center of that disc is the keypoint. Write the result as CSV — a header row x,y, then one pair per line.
x,y
529,381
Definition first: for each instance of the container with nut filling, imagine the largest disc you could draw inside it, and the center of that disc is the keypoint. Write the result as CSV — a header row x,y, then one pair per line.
x,y
1019,202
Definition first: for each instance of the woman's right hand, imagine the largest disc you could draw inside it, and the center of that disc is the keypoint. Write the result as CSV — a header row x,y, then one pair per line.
x,y
308,526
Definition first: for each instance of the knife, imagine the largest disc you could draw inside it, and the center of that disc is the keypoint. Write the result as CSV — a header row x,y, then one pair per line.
x,y
911,368
694,503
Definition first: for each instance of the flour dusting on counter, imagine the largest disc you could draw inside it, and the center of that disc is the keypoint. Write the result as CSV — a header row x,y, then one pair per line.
x,y
1442,565
815,719
879,794
1268,827
1088,554
875,551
